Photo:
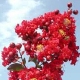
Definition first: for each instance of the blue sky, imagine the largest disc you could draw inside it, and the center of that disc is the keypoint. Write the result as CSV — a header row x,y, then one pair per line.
x,y
14,11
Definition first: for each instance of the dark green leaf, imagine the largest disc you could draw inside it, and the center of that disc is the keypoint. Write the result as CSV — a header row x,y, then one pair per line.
x,y
15,67
38,66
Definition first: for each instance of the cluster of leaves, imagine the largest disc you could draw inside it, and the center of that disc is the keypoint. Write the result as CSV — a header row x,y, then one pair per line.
x,y
49,49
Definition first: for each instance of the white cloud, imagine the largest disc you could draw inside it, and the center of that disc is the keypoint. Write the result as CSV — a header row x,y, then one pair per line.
x,y
19,10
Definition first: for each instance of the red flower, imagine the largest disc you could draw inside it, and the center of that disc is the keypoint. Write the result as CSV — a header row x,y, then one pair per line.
x,y
9,55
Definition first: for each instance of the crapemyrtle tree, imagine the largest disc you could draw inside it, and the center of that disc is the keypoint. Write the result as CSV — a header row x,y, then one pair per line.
x,y
48,49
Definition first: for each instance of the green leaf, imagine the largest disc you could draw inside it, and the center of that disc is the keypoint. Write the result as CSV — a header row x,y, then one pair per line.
x,y
24,61
32,59
38,66
15,67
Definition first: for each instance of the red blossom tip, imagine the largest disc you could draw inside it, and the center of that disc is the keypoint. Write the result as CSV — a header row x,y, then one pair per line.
x,y
75,12
12,45
69,5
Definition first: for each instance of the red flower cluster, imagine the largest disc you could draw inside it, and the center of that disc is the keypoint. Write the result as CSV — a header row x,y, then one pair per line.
x,y
9,55
57,36
48,49
50,71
